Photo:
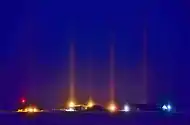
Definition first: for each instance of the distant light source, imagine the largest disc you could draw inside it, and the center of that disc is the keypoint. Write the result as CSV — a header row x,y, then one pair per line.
x,y
90,103
20,110
126,108
35,110
70,110
164,107
71,104
30,109
167,107
112,107
23,100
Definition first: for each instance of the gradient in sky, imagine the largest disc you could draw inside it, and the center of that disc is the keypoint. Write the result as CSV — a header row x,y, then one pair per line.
x,y
36,38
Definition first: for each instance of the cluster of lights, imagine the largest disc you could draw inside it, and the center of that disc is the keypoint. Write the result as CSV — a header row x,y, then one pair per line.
x,y
167,107
71,104
111,107
70,110
29,110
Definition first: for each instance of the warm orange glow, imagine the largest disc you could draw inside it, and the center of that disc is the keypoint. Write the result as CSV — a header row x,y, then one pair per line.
x,y
112,107
90,103
71,104
29,109
20,110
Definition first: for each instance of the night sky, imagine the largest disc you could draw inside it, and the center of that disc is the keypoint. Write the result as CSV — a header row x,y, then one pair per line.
x,y
35,47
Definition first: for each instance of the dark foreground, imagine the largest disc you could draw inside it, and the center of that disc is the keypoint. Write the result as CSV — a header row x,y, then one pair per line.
x,y
148,118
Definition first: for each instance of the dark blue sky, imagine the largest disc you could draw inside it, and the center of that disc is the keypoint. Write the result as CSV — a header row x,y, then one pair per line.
x,y
36,38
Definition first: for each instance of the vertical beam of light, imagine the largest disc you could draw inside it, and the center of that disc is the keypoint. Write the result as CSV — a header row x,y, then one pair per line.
x,y
90,91
145,79
112,105
112,74
72,76
90,77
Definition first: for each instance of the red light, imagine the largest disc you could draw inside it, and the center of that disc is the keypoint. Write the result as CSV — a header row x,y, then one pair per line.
x,y
23,100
